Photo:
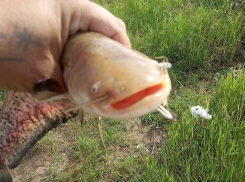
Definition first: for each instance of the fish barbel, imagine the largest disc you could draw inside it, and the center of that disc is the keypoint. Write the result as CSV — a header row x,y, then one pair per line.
x,y
106,79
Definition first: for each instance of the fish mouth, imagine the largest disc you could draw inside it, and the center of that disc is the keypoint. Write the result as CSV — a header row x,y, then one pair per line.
x,y
131,100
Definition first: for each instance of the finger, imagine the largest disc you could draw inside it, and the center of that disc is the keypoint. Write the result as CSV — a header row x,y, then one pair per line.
x,y
122,37
97,19
22,76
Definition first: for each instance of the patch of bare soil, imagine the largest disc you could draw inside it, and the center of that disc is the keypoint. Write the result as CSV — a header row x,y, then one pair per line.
x,y
36,164
33,168
140,139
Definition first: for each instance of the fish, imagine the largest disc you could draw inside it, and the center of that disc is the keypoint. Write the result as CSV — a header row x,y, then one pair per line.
x,y
103,78
107,79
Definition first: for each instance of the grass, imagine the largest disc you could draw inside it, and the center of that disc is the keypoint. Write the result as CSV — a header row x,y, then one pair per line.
x,y
203,150
2,95
203,39
193,35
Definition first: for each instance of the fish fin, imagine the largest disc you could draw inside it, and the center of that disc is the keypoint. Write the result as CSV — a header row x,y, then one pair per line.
x,y
5,175
23,122
47,90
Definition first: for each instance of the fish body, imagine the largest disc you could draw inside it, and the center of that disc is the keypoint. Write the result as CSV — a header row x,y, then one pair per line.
x,y
107,79
22,123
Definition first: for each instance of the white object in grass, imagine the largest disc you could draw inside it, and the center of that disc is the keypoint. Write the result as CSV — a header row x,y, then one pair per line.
x,y
198,110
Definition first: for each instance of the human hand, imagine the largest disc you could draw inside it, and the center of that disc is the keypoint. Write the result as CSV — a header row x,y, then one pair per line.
x,y
33,34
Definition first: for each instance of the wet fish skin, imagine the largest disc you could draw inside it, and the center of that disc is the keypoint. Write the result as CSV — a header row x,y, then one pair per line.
x,y
91,60
22,123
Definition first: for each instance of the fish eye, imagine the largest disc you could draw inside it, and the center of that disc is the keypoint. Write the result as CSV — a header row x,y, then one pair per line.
x,y
94,88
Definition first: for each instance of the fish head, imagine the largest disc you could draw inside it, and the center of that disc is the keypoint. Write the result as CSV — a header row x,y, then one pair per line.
x,y
112,81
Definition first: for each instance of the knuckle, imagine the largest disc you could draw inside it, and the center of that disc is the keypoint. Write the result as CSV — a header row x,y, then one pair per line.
x,y
122,25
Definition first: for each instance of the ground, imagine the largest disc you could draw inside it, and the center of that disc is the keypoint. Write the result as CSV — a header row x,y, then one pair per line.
x,y
36,164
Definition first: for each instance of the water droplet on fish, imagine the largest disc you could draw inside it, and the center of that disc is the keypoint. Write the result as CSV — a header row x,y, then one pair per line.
x,y
150,78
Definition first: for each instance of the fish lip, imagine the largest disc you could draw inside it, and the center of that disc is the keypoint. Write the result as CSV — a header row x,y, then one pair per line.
x,y
138,96
140,108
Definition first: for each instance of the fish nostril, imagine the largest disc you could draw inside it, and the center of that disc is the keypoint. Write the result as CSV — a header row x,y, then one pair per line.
x,y
110,94
157,73
120,90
